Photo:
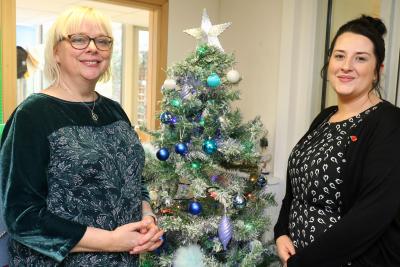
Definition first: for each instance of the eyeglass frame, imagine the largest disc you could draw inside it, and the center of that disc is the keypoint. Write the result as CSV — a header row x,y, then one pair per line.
x,y
68,38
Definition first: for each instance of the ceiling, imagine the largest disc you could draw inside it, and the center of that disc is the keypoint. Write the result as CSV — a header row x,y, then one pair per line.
x,y
41,11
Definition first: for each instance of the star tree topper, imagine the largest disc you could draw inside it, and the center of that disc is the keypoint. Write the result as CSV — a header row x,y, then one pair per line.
x,y
207,33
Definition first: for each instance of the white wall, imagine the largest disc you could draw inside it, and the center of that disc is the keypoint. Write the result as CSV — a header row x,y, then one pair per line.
x,y
186,14
278,52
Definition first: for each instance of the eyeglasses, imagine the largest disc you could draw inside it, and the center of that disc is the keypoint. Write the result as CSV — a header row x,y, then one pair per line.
x,y
82,41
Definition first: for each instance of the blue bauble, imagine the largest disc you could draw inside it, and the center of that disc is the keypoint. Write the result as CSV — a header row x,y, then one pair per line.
x,y
239,202
261,181
181,149
195,208
210,146
166,117
213,80
163,248
163,154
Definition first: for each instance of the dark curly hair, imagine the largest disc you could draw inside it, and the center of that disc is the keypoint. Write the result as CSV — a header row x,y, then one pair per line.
x,y
372,28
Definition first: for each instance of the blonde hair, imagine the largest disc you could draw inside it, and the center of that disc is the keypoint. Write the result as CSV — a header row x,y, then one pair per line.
x,y
71,21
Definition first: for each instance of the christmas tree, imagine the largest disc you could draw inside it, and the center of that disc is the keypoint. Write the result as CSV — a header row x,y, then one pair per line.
x,y
204,179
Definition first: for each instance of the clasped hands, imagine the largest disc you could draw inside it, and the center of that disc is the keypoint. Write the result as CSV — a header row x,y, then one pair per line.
x,y
138,237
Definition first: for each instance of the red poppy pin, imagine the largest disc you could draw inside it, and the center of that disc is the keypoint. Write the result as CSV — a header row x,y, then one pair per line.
x,y
353,138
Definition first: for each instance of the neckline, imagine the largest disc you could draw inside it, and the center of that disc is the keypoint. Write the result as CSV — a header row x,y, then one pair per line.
x,y
96,101
352,117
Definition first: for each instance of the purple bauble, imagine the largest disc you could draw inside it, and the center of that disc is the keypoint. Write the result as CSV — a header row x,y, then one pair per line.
x,y
225,231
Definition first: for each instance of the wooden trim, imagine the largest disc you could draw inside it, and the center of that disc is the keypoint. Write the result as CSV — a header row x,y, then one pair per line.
x,y
9,56
143,4
157,62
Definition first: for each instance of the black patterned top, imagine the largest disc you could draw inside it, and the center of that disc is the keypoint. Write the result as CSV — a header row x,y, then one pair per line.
x,y
61,172
314,170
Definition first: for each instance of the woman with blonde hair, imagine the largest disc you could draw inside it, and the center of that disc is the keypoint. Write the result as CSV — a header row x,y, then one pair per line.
x,y
71,187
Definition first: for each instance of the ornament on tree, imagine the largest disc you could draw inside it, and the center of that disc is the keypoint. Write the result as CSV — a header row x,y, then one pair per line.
x,y
174,120
163,154
166,117
214,178
225,231
168,201
202,50
202,121
153,194
210,146
169,84
213,195
253,178
207,33
181,149
239,202
213,80
176,102
195,208
250,196
166,211
261,181
233,76
195,165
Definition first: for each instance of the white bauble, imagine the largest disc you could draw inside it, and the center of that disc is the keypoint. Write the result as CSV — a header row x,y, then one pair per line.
x,y
189,256
169,84
233,76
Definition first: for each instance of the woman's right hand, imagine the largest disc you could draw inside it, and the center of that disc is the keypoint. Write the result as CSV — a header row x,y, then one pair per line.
x,y
285,248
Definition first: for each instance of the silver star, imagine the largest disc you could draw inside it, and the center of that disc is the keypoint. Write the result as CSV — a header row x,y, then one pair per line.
x,y
207,33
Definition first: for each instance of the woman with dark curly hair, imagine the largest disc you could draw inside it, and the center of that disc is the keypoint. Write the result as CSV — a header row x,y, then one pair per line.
x,y
342,203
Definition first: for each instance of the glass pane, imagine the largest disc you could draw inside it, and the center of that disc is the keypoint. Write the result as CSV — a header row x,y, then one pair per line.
x,y
112,89
143,44
343,11
29,52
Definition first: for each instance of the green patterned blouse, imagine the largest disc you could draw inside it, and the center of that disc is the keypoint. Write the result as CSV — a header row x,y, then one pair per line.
x,y
61,171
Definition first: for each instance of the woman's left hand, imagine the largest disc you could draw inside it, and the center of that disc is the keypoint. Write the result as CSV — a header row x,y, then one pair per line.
x,y
154,242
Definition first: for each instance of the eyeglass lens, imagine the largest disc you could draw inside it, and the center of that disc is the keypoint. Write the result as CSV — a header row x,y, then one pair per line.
x,y
81,41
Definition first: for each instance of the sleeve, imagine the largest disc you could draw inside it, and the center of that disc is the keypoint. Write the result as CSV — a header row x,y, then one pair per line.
x,y
23,190
282,224
145,192
376,206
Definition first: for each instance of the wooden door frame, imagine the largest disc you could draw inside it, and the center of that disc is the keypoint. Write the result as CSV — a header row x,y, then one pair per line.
x,y
158,29
8,56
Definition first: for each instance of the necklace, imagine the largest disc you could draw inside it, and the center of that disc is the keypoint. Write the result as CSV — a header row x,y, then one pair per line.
x,y
94,116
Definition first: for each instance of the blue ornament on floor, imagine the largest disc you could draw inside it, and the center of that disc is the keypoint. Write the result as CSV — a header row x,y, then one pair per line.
x,y
261,181
210,146
195,208
163,154
213,80
181,149
166,117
